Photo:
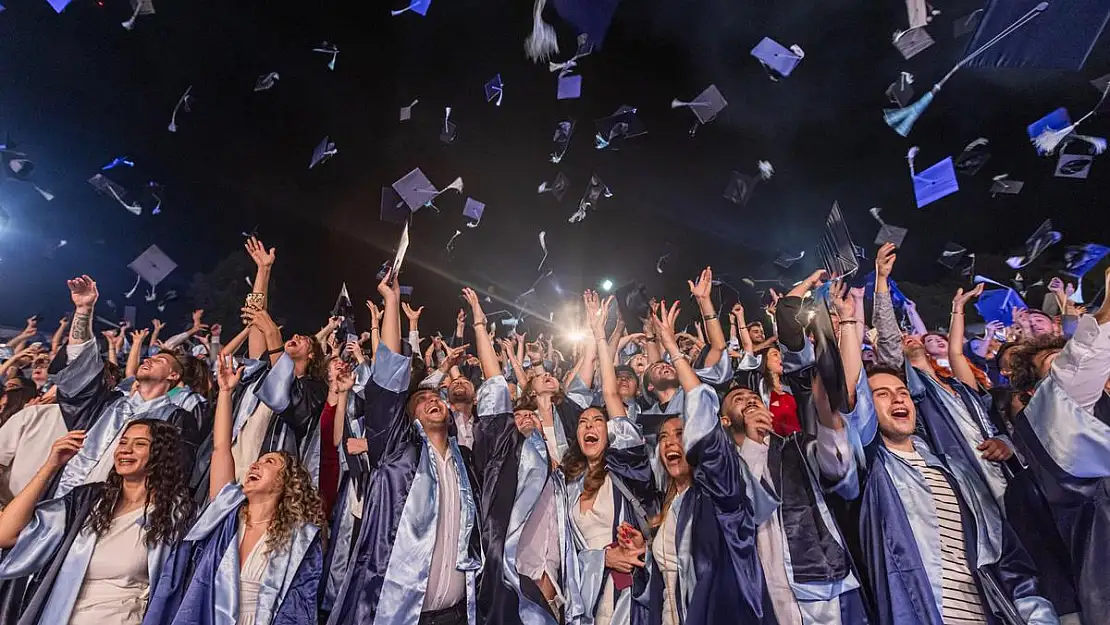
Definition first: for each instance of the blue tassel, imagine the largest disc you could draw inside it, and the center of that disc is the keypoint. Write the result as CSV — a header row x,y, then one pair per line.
x,y
903,119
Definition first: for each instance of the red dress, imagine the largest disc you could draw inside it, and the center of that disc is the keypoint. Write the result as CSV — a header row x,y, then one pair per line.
x,y
785,412
329,460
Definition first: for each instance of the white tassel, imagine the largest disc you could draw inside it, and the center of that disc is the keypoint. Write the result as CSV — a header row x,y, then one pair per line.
x,y
564,67
129,24
875,210
766,170
44,193
1049,140
1098,143
543,42
457,185
128,294
451,241
151,295
543,246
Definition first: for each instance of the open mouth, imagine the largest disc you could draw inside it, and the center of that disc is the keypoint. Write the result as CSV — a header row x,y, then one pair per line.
x,y
126,462
253,476
672,456
591,438
899,412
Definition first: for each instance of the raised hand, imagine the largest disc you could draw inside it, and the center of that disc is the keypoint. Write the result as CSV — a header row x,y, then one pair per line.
x,y
738,313
597,313
198,318
375,313
389,292
64,449
258,318
775,297
258,253
843,301
83,293
884,261
158,325
355,350
412,314
961,299
216,329
704,285
227,374
454,354
663,322
344,380
475,305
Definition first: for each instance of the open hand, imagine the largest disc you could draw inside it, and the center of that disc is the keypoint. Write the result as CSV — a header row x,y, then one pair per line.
x,y
227,374
83,293
259,255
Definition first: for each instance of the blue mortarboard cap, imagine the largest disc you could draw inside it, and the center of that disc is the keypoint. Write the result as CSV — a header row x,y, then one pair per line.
x,y
589,17
415,189
406,291
1060,37
935,182
416,6
1056,120
998,305
570,86
1079,259
896,297
394,210
59,5
494,89
775,56
473,209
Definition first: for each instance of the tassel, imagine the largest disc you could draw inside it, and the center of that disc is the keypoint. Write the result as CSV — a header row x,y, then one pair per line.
x,y
134,209
543,246
128,294
457,185
543,42
129,24
903,119
44,193
1049,140
451,241
766,170
182,102
909,157
151,295
564,67
1098,143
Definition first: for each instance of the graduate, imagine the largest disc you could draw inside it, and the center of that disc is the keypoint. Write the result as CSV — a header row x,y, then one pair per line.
x,y
89,404
1064,433
937,546
418,557
97,552
254,555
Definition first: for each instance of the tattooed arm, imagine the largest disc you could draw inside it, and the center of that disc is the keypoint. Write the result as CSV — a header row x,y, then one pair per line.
x,y
84,295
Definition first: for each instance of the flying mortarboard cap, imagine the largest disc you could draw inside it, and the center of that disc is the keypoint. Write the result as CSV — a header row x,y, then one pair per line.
x,y
570,87
1054,121
266,81
564,130
557,188
740,188
1041,239
974,156
1076,166
416,6
632,302
777,59
1003,184
473,209
394,210
837,251
787,260
706,106
891,234
998,305
912,42
967,24
406,111
495,89
59,5
1101,83
952,255
623,124
130,315
1079,259
448,130
589,17
1060,38
324,151
153,265
406,291
107,187
415,189
139,7
935,183
900,92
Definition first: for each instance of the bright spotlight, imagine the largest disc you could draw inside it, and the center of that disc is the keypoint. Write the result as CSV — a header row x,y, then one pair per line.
x,y
575,336
606,285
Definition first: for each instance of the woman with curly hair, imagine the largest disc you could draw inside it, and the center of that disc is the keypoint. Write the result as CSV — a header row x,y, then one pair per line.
x,y
96,553
254,555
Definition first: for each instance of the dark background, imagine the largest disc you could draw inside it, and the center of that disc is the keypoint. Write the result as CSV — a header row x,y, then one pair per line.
x,y
76,90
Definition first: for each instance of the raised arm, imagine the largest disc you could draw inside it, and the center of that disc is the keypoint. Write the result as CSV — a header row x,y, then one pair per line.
x,y
587,365
236,342
888,347
261,324
135,357
851,340
222,467
264,261
375,326
741,327
597,314
84,294
157,325
961,368
17,514
329,328
18,340
341,388
413,315
56,340
663,323
486,355
391,319
702,291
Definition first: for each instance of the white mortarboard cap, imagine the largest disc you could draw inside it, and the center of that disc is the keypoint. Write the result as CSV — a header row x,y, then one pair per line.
x,y
153,265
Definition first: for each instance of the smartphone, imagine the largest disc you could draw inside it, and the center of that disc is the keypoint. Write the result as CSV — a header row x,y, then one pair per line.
x,y
256,300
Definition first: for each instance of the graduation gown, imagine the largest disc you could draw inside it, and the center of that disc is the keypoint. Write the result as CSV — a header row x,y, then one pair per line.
x,y
50,558
388,574
896,515
200,583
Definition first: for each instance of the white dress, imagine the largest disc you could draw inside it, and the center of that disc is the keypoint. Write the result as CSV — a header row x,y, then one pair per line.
x,y
250,577
596,526
664,550
117,582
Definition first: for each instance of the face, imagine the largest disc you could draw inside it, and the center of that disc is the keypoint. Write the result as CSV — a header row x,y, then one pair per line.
x,y
671,452
913,346
593,433
1041,324
639,363
1043,361
299,347
133,452
774,361
336,366
936,346
460,390
662,374
430,410
39,375
526,421
158,368
896,412
737,402
755,331
545,384
264,475
627,384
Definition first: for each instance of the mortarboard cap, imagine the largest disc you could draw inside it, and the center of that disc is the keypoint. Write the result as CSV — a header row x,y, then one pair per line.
x,y
998,305
130,315
153,265
557,188
448,130
139,7
415,189
266,81
1060,36
777,59
406,111
324,151
952,255
967,24
1101,83
740,188
891,234
109,188
633,304
1079,259
900,92
1041,239
786,261
912,42
837,251
570,87
494,89
419,7
394,210
589,17
1076,166
564,130
59,5
406,291
1002,184
974,156
473,209
623,124
706,106
1056,120
934,183
17,165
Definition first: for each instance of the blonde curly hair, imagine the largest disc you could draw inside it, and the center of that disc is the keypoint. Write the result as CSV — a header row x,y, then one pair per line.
x,y
299,504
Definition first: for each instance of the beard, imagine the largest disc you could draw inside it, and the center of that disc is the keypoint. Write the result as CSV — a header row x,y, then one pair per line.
x,y
459,394
666,384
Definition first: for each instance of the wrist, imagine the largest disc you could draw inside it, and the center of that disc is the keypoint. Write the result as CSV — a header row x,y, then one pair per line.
x,y
83,309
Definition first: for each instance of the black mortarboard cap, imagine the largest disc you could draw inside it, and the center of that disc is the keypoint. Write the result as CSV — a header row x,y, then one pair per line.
x,y
975,155
1059,37
632,302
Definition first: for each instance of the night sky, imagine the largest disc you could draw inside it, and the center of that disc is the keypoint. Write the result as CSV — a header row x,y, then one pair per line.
x,y
77,90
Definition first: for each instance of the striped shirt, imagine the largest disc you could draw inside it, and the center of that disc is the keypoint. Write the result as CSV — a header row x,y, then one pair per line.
x,y
960,600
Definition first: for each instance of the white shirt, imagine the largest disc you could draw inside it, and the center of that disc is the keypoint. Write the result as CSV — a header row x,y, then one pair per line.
x,y
464,428
117,580
539,551
25,441
446,584
596,527
664,549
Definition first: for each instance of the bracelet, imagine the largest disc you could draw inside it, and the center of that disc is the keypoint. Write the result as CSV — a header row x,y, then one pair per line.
x,y
957,312
709,317
375,329
848,321
479,323
679,357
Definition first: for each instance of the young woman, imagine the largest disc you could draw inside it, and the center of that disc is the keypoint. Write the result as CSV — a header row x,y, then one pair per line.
x,y
777,396
96,552
254,555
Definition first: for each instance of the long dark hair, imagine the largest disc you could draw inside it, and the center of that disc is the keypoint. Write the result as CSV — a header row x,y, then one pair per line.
x,y
575,464
169,504
17,400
